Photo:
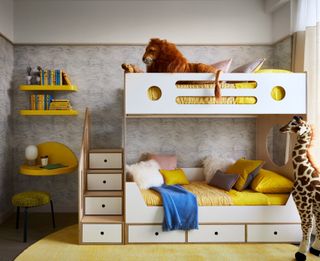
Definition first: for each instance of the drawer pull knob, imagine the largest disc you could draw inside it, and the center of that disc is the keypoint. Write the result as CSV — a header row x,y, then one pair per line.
x,y
103,205
275,233
105,160
104,182
216,233
157,233
101,233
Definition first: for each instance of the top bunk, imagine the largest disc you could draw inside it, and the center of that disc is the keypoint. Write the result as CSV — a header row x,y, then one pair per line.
x,y
192,95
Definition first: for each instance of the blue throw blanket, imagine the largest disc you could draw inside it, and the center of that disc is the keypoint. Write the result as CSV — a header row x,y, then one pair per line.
x,y
180,208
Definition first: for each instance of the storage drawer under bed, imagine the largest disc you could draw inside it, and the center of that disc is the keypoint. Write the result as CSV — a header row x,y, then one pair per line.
x,y
274,233
217,233
154,234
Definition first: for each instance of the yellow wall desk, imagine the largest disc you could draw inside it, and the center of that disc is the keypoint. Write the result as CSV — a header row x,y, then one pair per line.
x,y
57,153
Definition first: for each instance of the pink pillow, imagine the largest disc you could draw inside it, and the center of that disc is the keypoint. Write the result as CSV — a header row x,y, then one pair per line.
x,y
223,65
167,162
250,67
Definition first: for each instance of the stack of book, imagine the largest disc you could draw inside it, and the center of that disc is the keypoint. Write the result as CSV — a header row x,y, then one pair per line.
x,y
54,77
60,104
40,101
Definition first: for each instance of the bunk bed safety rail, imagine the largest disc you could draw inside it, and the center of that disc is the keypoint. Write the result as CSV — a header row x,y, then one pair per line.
x,y
139,102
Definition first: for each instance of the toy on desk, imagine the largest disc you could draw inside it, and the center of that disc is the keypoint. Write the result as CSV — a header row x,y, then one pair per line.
x,y
44,160
31,154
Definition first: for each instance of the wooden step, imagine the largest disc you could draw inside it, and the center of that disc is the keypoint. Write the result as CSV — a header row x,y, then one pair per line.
x,y
102,219
104,171
103,194
106,150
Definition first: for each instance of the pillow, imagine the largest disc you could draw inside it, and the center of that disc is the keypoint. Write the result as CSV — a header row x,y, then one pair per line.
x,y
146,174
168,162
223,65
215,162
250,67
223,181
173,177
247,169
268,181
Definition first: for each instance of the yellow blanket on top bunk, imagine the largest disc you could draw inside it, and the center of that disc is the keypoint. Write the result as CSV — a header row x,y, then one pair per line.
x,y
212,196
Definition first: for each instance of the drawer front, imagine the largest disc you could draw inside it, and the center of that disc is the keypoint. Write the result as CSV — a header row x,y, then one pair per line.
x,y
104,181
274,233
102,233
105,160
153,234
217,233
103,205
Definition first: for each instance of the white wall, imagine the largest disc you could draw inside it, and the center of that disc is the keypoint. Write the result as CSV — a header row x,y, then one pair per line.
x,y
6,18
281,22
134,22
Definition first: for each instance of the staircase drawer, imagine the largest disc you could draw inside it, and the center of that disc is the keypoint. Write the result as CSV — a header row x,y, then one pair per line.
x,y
102,233
274,233
153,234
103,205
104,181
217,233
105,160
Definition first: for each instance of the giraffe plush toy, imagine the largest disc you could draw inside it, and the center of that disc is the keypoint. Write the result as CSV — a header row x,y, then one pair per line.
x,y
306,189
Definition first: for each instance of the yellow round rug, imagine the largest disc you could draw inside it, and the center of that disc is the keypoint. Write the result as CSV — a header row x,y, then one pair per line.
x,y
63,245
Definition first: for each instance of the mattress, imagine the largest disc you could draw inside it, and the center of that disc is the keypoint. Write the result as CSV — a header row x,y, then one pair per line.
x,y
212,196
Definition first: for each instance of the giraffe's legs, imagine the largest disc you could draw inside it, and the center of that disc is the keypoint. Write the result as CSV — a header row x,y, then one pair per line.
x,y
315,248
306,217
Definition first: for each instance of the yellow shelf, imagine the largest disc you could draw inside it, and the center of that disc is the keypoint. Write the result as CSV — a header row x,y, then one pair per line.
x,y
49,112
71,88
37,171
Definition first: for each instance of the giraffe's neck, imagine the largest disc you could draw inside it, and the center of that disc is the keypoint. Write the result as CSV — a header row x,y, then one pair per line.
x,y
300,153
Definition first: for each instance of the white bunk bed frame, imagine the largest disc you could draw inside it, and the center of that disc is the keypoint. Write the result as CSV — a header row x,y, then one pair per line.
x,y
216,223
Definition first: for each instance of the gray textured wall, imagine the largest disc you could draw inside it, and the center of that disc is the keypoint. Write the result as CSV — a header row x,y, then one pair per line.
x,y
6,180
96,70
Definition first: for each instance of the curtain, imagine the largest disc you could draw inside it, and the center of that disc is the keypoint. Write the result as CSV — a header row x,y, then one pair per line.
x,y
306,28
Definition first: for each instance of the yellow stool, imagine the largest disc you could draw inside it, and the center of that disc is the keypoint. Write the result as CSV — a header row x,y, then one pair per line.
x,y
28,200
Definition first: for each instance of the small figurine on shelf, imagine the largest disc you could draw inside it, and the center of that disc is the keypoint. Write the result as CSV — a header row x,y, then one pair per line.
x,y
33,75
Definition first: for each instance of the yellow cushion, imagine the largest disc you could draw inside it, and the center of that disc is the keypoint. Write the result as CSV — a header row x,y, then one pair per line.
x,y
31,199
268,181
176,176
247,169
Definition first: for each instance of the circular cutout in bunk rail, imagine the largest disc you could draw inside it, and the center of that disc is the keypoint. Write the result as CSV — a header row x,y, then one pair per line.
x,y
278,93
154,93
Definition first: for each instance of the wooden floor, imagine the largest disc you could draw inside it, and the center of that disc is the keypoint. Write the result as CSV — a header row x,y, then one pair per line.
x,y
40,225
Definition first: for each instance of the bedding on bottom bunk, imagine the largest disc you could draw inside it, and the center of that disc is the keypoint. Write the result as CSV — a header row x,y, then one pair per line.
x,y
212,196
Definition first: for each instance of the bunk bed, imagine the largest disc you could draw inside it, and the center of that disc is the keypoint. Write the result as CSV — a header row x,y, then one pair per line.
x,y
159,95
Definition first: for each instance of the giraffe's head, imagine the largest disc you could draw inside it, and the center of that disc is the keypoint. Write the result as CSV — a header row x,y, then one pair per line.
x,y
296,125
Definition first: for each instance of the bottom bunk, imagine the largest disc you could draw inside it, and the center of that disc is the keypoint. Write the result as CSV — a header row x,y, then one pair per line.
x,y
275,222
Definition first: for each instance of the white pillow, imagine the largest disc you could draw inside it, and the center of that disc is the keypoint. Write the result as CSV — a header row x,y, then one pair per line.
x,y
146,174
215,162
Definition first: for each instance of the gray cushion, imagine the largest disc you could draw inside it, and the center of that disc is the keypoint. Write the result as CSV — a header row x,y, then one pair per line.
x,y
223,181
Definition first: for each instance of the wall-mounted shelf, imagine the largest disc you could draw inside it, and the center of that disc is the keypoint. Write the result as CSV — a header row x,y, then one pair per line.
x,y
70,88
49,112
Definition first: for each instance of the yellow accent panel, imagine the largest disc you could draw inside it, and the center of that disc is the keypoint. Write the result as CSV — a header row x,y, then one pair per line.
x,y
246,100
31,199
268,181
243,167
245,85
173,177
212,100
71,88
278,93
48,112
272,71
57,153
154,93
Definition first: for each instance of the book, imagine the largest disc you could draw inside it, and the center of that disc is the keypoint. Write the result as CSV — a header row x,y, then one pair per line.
x,y
54,166
65,79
